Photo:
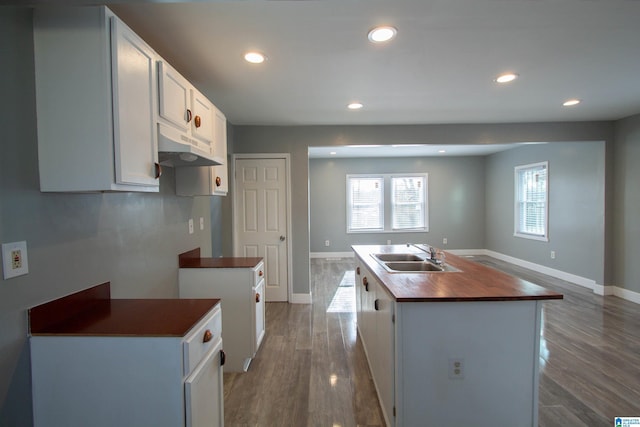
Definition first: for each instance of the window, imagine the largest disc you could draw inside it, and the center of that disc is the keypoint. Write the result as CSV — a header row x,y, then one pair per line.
x,y
531,201
387,203
407,202
364,204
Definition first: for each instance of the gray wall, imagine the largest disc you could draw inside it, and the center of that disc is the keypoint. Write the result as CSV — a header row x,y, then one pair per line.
x,y
626,212
296,140
576,207
456,201
74,240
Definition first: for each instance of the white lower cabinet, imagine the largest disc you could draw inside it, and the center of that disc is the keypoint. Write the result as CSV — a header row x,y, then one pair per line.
x,y
241,290
376,326
130,380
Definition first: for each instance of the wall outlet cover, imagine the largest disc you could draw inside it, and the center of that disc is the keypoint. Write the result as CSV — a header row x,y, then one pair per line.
x,y
14,259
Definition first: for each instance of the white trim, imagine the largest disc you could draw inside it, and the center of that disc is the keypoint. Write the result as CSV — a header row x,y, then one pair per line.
x,y
287,165
331,255
300,298
625,294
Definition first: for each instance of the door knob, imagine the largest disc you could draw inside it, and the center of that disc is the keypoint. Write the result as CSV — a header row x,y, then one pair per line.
x,y
282,238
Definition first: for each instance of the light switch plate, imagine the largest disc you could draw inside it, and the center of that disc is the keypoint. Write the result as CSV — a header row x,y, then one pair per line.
x,y
191,226
14,259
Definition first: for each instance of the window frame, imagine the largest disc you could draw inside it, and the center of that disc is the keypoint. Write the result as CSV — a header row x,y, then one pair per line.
x,y
517,231
387,203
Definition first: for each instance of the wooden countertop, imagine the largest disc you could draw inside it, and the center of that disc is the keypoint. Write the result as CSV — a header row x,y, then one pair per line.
x,y
92,312
474,282
192,259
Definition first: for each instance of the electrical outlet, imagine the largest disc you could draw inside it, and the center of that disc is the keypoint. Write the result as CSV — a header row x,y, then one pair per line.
x,y
553,254
191,226
201,223
327,243
444,241
14,259
456,369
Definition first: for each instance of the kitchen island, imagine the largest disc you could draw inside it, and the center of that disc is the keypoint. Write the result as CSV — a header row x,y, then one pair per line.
x,y
453,347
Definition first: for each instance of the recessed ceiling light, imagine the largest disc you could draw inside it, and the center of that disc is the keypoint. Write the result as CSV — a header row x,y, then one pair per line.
x,y
506,78
255,57
571,102
382,34
355,106
442,151
333,153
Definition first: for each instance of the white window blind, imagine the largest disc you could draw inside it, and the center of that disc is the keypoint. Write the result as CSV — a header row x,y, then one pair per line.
x,y
408,202
531,201
365,203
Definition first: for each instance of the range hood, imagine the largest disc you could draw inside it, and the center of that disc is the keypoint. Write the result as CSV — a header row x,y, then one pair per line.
x,y
177,149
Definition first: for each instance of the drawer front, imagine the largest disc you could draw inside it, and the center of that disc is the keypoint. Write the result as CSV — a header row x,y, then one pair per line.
x,y
202,339
258,274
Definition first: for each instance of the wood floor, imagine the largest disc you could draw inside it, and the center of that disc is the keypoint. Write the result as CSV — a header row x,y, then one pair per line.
x,y
311,369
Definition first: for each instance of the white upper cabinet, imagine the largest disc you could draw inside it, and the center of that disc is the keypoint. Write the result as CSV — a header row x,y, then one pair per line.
x,y
96,101
185,116
208,180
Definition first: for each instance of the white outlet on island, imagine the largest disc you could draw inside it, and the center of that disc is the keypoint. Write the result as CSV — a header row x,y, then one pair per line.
x,y
14,259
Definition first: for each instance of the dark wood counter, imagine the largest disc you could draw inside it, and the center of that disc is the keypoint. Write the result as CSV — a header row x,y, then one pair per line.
x,y
474,282
192,259
93,313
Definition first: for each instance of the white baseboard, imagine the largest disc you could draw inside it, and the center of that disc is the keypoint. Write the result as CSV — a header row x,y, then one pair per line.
x,y
331,255
625,294
301,298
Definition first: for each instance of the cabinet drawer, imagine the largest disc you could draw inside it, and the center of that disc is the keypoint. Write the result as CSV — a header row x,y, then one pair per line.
x,y
258,274
202,339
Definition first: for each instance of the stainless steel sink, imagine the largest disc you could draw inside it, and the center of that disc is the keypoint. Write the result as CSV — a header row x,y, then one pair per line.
x,y
398,257
417,267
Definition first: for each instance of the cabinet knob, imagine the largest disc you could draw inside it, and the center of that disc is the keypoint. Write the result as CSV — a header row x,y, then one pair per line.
x,y
257,297
207,336
223,357
358,271
189,115
197,121
157,170
376,305
260,273
218,181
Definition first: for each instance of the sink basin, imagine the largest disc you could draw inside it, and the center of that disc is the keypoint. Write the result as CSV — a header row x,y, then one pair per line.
x,y
413,266
398,257
417,267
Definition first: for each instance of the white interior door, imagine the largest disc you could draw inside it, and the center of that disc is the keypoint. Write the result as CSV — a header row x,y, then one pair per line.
x,y
261,218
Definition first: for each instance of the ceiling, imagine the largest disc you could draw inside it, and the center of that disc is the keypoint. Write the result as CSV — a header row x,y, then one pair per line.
x,y
439,69
407,150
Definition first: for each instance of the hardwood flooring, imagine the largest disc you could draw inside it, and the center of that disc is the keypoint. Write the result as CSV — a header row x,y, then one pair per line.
x,y
311,369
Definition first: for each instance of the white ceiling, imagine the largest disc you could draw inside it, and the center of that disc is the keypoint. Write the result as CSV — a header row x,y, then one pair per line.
x,y
439,69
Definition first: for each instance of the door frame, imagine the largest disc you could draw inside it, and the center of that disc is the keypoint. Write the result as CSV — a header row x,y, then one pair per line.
x,y
234,223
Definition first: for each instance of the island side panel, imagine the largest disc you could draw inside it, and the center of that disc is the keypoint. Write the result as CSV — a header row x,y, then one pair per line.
x,y
499,345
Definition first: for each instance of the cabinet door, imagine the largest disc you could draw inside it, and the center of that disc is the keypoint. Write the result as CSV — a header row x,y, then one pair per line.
x,y
202,122
259,310
220,174
134,94
204,394
174,97
383,356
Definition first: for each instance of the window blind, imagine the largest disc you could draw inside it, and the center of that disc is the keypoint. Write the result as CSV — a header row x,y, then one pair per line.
x,y
407,199
365,203
531,200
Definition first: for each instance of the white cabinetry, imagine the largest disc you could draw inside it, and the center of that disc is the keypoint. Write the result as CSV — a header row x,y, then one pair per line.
x,y
96,93
377,329
186,119
241,290
131,373
208,180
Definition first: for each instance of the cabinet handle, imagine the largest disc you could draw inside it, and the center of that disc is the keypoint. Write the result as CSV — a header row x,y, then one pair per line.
x,y
218,181
157,170
376,304
260,273
366,287
257,297
223,357
358,271
189,115
197,121
207,336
